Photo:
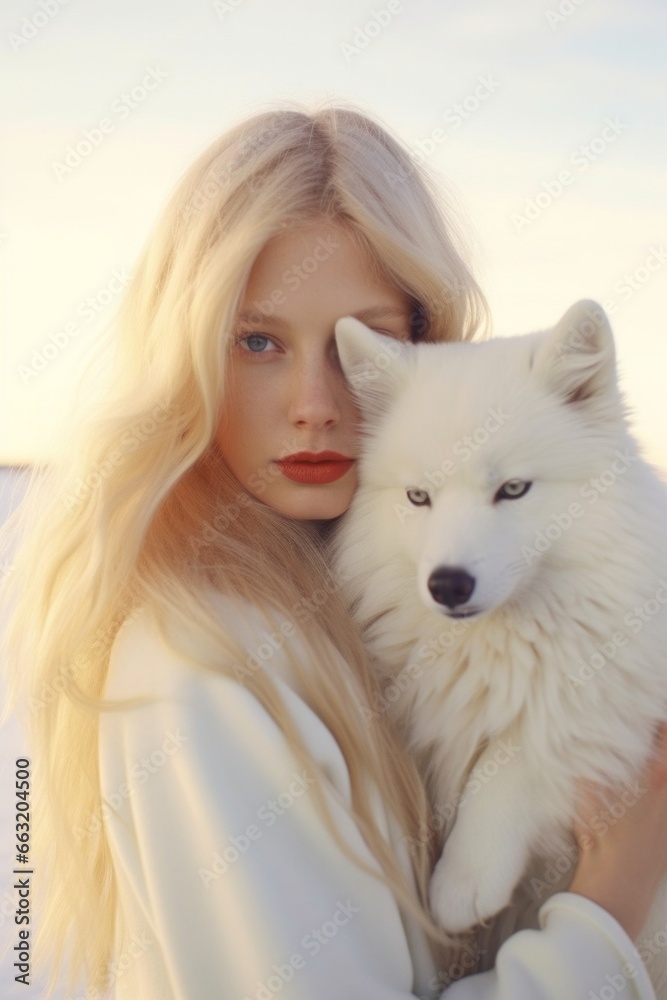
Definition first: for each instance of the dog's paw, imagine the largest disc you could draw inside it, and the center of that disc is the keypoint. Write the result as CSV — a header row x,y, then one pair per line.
x,y
463,894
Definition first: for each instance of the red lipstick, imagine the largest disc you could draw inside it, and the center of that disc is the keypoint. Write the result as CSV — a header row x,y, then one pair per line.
x,y
315,468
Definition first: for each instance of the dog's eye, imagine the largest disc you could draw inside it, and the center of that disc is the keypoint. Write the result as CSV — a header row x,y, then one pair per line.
x,y
419,498
513,489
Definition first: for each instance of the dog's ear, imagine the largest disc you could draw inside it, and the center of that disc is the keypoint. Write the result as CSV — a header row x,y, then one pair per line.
x,y
374,364
577,359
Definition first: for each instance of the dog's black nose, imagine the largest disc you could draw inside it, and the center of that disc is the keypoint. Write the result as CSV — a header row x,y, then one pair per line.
x,y
451,585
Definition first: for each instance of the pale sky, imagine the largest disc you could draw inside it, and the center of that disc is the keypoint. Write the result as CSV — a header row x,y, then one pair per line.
x,y
548,83
540,94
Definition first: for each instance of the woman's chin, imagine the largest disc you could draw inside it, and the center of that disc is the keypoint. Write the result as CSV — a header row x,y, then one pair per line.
x,y
310,503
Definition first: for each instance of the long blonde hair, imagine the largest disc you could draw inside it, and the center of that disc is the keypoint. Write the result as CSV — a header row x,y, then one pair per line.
x,y
138,508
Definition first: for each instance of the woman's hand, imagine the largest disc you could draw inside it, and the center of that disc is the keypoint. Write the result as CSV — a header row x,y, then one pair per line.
x,y
622,867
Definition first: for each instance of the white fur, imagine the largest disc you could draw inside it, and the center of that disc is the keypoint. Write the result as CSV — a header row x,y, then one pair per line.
x,y
509,708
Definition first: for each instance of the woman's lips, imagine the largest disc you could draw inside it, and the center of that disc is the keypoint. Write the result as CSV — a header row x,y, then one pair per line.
x,y
315,473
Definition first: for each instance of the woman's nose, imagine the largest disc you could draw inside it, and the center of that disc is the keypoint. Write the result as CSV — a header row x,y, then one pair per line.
x,y
315,395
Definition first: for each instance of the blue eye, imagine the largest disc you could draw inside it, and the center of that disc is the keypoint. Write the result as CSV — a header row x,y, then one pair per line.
x,y
255,342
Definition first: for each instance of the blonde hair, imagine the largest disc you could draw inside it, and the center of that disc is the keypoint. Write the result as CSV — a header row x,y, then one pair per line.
x,y
139,509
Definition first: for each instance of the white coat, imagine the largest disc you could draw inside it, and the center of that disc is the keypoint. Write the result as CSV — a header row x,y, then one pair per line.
x,y
231,885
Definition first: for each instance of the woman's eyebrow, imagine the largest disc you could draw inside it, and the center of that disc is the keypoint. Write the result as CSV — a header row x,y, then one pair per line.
x,y
382,312
364,315
259,317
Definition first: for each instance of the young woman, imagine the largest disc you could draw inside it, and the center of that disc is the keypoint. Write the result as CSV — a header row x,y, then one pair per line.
x,y
216,818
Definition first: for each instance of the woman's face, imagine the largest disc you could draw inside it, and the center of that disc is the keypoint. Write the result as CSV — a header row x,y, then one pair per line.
x,y
286,392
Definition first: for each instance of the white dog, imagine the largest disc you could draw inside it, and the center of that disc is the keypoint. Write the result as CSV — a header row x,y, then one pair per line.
x,y
506,556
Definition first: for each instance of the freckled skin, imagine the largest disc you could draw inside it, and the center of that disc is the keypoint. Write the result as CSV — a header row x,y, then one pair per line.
x,y
286,391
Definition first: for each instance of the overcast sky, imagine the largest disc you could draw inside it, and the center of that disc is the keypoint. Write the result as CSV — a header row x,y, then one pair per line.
x,y
502,97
